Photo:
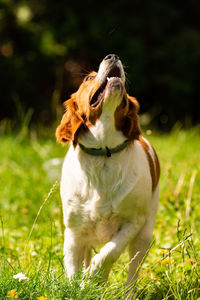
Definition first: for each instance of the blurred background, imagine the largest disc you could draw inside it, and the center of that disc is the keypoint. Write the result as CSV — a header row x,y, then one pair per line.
x,y
46,48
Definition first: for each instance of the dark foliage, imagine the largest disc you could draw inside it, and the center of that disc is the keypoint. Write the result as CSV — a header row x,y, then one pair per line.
x,y
47,47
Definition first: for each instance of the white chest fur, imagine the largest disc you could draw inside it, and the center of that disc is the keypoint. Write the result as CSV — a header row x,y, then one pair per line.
x,y
104,191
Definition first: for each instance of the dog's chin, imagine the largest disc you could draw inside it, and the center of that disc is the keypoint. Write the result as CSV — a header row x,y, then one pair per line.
x,y
110,86
114,90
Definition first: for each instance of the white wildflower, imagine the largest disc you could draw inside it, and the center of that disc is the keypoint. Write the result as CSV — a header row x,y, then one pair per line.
x,y
20,277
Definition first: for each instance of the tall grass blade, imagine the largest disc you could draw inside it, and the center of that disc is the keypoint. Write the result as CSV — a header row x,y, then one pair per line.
x,y
53,188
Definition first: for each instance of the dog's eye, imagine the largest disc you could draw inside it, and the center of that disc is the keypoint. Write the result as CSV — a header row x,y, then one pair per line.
x,y
89,78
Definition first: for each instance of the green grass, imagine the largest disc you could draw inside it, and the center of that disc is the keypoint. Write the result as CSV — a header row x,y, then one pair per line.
x,y
31,238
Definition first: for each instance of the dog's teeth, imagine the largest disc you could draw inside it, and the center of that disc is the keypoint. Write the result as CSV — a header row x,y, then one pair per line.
x,y
109,78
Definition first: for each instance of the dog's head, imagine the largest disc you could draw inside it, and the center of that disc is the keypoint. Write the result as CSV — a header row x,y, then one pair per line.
x,y
100,92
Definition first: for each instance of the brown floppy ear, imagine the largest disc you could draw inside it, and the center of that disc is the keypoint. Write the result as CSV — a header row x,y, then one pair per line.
x,y
131,127
70,123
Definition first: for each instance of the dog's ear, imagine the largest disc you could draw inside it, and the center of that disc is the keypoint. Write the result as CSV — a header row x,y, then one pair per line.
x,y
131,127
70,123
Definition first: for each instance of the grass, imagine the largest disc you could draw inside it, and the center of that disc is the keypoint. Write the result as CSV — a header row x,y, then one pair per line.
x,y
31,238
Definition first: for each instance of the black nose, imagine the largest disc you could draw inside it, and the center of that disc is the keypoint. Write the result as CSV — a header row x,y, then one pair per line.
x,y
112,58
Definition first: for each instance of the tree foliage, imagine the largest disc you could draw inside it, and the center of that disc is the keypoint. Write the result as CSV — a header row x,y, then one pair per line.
x,y
47,46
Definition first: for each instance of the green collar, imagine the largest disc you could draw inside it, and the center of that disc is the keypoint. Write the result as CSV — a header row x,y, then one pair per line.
x,y
104,151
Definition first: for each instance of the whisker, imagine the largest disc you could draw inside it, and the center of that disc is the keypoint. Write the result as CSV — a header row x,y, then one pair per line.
x,y
128,81
125,66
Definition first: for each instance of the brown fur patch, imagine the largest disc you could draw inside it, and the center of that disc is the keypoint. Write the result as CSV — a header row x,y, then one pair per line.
x,y
79,115
126,117
157,165
70,123
153,163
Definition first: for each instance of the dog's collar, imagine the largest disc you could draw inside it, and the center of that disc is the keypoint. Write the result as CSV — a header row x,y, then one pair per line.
x,y
105,151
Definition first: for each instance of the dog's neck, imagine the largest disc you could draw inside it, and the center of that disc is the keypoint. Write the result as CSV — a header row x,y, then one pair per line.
x,y
103,133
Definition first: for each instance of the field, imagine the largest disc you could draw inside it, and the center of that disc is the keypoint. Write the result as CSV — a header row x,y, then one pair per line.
x,y
31,239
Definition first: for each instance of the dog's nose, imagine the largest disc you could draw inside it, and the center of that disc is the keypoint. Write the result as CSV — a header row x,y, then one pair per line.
x,y
111,58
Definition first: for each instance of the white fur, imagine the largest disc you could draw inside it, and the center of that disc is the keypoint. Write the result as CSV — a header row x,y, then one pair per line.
x,y
107,200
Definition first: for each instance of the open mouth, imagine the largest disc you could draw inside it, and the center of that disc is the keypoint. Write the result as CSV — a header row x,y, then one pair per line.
x,y
100,93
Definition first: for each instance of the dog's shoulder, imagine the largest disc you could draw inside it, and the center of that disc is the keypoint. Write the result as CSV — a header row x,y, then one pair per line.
x,y
153,160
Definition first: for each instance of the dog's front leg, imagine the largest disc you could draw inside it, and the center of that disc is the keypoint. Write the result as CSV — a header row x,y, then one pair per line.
x,y
113,249
73,253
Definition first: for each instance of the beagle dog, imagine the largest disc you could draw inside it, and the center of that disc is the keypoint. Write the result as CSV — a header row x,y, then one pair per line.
x,y
109,184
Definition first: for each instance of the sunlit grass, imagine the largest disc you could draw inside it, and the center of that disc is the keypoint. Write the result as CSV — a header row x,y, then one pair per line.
x,y
31,240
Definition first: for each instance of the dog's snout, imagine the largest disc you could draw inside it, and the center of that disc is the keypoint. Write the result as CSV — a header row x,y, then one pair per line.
x,y
111,66
111,58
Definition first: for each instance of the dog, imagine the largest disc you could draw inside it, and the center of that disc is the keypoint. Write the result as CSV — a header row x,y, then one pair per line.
x,y
109,185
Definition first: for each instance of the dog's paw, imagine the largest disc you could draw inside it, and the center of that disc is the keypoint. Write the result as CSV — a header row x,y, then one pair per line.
x,y
96,263
100,264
